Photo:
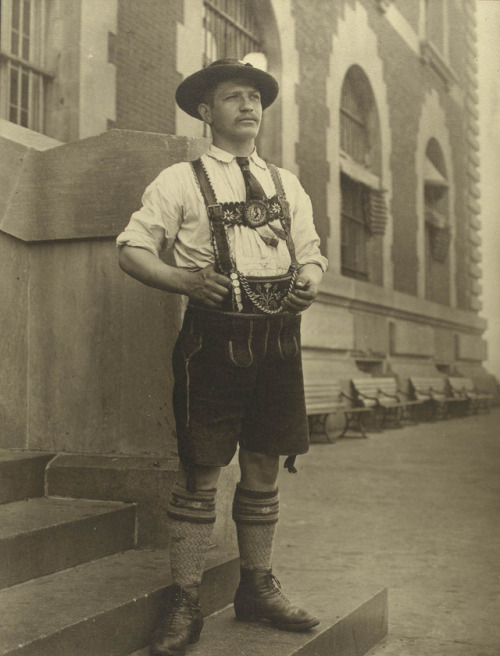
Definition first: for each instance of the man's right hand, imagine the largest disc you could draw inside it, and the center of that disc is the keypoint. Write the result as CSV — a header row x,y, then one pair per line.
x,y
206,287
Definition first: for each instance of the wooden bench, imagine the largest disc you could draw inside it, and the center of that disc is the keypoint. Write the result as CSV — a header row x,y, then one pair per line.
x,y
464,388
433,391
385,397
326,398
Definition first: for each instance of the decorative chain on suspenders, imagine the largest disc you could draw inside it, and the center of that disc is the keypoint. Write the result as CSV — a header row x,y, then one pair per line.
x,y
265,294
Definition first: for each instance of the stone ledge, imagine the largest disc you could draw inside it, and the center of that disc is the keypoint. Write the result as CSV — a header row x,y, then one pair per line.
x,y
352,623
22,474
88,189
346,292
109,606
144,480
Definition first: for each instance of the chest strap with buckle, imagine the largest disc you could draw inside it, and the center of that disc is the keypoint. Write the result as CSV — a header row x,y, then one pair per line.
x,y
218,223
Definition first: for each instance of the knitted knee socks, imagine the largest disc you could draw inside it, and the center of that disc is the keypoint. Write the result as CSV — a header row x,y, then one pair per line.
x,y
192,516
256,515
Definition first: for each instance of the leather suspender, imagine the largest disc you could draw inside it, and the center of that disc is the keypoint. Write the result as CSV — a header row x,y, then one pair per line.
x,y
214,209
285,208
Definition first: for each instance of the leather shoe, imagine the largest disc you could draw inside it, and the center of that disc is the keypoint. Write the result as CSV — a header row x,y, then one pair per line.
x,y
259,597
181,626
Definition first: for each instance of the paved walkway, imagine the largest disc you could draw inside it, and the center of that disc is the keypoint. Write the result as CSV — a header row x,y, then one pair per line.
x,y
415,510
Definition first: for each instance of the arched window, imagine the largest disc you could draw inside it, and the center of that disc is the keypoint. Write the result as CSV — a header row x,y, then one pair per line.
x,y
437,223
363,213
230,30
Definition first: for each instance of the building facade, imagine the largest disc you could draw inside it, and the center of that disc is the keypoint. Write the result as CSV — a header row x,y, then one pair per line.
x,y
377,115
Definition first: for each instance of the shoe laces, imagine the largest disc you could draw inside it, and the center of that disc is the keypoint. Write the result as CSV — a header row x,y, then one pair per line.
x,y
176,607
276,585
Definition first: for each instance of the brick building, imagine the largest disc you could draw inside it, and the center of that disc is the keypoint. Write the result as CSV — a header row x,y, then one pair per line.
x,y
377,115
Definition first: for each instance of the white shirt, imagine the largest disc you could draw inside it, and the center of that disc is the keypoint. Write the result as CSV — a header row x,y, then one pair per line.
x,y
173,210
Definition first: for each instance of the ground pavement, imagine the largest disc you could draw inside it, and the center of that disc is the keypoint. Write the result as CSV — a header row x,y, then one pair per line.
x,y
415,510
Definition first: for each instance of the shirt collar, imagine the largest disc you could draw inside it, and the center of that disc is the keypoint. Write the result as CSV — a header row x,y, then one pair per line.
x,y
224,156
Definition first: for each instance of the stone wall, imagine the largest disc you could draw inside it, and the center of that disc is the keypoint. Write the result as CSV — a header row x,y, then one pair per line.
x,y
86,361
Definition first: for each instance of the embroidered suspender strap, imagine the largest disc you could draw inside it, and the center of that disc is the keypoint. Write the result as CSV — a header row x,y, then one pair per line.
x,y
285,208
214,210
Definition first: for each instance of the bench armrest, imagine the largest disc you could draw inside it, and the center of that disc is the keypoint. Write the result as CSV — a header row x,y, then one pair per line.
x,y
390,396
365,396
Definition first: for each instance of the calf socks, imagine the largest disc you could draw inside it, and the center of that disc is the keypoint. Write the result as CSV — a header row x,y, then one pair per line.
x,y
256,515
192,517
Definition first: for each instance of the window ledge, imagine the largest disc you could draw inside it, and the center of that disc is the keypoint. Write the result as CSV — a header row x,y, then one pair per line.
x,y
358,172
429,54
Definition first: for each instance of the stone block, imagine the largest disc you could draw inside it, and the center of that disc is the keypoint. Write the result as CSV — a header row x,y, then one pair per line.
x,y
42,536
14,273
22,475
145,481
371,334
445,346
109,606
471,347
408,338
358,623
328,327
89,188
100,354
88,365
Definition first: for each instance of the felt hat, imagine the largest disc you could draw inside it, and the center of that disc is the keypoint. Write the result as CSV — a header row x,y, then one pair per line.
x,y
191,91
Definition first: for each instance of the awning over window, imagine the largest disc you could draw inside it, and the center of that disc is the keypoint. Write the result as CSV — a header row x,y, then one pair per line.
x,y
432,176
359,173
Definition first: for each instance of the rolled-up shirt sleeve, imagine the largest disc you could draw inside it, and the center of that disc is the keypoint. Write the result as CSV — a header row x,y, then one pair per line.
x,y
304,235
159,217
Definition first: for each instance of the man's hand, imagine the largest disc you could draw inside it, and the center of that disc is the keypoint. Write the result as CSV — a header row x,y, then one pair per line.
x,y
305,290
206,287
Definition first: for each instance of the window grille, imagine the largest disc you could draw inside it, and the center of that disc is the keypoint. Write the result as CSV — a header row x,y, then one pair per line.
x,y
22,78
437,223
437,228
353,130
230,30
354,229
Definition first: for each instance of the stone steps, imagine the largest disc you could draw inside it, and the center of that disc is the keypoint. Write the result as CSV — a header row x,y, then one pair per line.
x,y
73,584
71,579
107,607
22,474
351,625
44,535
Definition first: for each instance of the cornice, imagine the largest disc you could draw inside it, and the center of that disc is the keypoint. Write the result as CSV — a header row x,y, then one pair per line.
x,y
337,290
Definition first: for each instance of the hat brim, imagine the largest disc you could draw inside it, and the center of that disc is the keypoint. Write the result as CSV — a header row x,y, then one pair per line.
x,y
191,91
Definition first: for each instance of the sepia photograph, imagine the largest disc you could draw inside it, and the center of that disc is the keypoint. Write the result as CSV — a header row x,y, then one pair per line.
x,y
249,327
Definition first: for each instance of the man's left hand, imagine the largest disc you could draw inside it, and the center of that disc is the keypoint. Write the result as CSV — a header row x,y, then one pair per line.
x,y
303,294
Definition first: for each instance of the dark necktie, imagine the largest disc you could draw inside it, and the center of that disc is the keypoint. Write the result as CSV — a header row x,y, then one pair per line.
x,y
269,232
252,185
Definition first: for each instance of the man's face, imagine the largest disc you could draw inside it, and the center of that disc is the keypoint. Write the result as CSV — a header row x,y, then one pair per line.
x,y
235,111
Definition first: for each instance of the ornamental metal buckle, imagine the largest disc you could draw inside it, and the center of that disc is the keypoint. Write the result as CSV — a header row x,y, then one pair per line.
x,y
215,211
256,213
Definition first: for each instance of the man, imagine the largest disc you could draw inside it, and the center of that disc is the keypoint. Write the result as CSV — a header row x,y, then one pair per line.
x,y
248,259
